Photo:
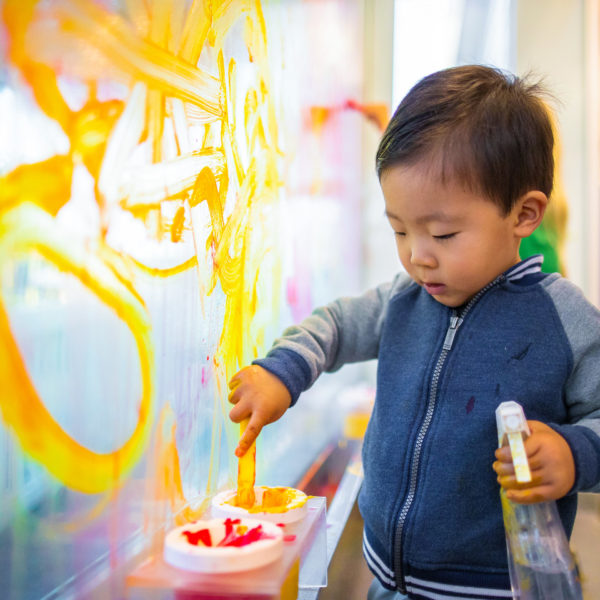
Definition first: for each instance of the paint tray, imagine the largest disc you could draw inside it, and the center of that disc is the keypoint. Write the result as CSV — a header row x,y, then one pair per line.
x,y
291,510
302,565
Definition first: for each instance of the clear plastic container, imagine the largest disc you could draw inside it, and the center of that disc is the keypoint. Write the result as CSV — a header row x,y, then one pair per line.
x,y
539,558
540,561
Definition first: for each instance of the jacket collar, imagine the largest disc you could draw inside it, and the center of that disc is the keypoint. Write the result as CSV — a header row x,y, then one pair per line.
x,y
530,265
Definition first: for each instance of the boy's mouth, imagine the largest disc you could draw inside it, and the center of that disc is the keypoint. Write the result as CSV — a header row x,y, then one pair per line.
x,y
434,288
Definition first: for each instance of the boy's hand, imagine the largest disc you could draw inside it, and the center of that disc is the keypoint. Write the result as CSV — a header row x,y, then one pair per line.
x,y
551,464
259,395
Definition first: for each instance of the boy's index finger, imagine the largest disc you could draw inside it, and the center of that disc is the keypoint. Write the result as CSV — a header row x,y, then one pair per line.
x,y
243,446
234,381
249,436
235,394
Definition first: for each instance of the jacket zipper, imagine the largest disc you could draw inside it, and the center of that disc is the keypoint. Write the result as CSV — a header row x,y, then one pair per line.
x,y
456,320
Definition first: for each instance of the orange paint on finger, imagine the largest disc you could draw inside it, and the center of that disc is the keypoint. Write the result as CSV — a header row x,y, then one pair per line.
x,y
246,473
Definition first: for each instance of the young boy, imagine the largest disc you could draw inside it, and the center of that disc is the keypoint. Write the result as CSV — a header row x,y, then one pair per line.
x,y
466,170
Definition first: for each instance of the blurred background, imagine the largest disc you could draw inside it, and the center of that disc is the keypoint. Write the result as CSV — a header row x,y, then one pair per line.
x,y
179,180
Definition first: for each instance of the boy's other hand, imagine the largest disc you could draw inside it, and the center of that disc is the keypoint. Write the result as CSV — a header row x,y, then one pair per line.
x,y
551,464
259,395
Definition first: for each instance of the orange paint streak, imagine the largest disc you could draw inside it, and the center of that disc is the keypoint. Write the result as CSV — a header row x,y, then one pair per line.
x,y
114,38
164,485
155,123
228,129
205,189
121,267
47,184
319,115
177,225
190,263
224,14
25,229
246,474
89,131
17,15
162,54
195,31
376,112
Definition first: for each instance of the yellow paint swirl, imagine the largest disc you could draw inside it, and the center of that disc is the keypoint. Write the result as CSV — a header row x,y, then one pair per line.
x,y
24,229
155,49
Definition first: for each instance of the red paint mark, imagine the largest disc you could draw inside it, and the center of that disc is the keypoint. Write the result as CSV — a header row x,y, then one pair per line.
x,y
230,532
470,404
204,377
251,536
376,112
229,523
195,537
235,535
289,538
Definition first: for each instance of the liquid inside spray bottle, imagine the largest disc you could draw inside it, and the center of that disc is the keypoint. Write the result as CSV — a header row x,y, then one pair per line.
x,y
540,561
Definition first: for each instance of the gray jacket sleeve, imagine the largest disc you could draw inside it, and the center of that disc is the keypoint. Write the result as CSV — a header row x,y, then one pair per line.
x,y
581,323
345,331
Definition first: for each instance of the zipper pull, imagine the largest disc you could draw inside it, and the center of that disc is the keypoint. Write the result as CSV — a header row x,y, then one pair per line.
x,y
455,322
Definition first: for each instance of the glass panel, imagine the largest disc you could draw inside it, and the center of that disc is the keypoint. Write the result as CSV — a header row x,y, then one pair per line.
x,y
177,183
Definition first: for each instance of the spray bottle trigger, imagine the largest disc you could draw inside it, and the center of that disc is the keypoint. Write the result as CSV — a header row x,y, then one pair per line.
x,y
513,429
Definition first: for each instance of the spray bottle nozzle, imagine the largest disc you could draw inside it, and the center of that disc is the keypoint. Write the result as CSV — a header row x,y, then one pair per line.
x,y
512,430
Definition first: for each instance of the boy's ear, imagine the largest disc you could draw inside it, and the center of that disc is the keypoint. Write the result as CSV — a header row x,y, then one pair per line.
x,y
528,212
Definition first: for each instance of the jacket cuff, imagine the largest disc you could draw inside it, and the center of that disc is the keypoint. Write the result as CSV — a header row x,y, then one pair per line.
x,y
290,367
585,446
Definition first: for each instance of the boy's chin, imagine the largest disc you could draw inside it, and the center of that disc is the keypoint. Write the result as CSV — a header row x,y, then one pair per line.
x,y
451,301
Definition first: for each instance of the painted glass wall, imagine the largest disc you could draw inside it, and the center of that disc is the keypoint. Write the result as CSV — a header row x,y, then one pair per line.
x,y
177,183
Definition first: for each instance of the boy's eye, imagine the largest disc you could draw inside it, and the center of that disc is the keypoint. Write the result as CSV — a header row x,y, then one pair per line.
x,y
399,233
446,236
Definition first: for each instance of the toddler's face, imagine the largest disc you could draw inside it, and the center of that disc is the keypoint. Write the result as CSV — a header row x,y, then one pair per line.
x,y
450,240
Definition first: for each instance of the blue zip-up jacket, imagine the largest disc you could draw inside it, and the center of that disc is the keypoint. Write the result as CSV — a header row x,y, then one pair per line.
x,y
430,500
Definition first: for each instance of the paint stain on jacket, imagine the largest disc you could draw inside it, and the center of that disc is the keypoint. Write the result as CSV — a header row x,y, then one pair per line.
x,y
470,404
522,354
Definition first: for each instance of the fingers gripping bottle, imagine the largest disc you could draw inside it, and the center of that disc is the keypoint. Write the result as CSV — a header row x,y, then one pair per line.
x,y
540,562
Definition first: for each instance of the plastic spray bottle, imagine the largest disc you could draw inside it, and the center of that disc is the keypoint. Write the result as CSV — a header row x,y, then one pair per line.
x,y
540,562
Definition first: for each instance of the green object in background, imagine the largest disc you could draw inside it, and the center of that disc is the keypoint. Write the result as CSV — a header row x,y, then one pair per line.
x,y
544,240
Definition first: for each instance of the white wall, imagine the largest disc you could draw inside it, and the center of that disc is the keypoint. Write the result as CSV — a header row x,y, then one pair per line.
x,y
558,40
381,262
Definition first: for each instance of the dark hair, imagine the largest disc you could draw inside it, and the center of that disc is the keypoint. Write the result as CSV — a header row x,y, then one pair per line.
x,y
479,126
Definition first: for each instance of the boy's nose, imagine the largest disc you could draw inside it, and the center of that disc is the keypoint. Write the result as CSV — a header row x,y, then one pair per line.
x,y
421,257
